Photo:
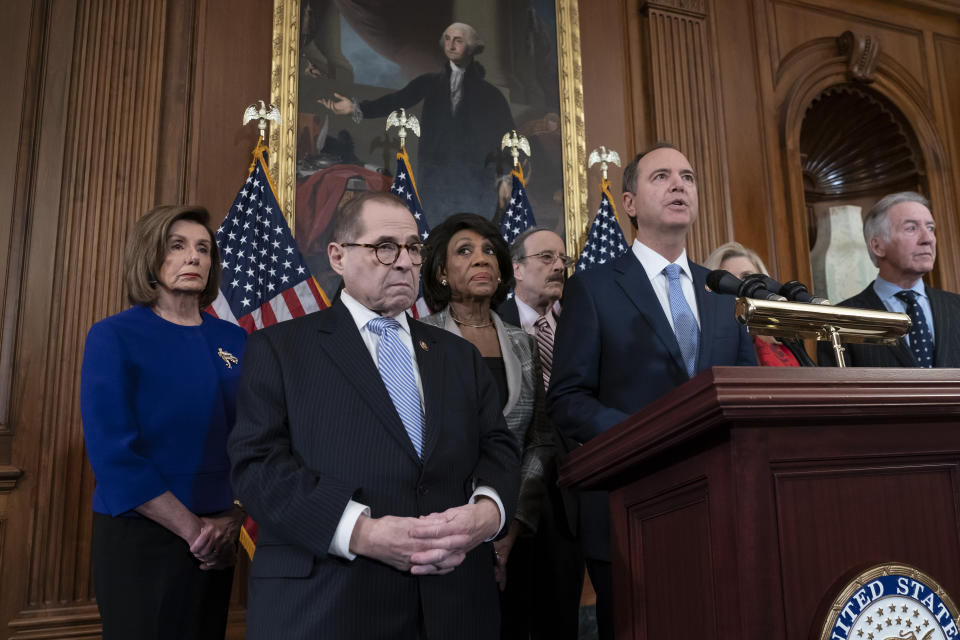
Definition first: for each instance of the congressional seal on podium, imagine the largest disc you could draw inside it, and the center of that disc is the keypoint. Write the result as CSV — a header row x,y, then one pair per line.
x,y
891,602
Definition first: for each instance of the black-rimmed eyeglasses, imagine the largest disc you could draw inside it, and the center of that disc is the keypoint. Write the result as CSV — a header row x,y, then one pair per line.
x,y
388,252
549,257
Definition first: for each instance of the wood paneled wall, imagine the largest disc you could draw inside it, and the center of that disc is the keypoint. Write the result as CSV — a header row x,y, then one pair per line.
x,y
113,106
119,106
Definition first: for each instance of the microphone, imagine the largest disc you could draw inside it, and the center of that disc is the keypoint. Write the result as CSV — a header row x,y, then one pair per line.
x,y
798,292
722,281
760,287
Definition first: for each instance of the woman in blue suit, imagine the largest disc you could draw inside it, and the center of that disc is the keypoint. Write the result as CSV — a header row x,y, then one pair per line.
x,y
467,270
158,387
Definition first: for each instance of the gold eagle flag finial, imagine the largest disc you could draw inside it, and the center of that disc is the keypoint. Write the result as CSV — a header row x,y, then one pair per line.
x,y
264,113
400,118
516,143
604,157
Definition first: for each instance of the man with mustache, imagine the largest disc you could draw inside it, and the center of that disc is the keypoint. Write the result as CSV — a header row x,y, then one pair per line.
x,y
552,574
902,242
636,328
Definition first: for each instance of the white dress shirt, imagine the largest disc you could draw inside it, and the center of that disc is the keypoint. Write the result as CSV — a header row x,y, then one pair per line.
x,y
340,544
654,264
887,292
456,86
529,317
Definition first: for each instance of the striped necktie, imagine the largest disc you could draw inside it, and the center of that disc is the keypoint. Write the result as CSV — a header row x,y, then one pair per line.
x,y
545,343
920,341
396,369
684,322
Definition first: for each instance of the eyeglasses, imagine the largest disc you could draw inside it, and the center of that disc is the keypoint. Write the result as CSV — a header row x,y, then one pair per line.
x,y
549,257
388,252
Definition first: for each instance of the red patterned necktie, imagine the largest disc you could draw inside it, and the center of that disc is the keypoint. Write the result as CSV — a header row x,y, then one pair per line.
x,y
545,342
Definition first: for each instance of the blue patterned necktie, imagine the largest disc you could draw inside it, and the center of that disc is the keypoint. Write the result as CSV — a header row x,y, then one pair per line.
x,y
920,341
396,369
684,322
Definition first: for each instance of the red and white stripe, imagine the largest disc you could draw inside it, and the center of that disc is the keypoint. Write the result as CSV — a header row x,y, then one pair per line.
x,y
293,302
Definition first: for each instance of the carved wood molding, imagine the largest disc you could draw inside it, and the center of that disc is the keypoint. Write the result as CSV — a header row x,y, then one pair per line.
x,y
687,110
9,477
96,166
853,141
78,621
816,66
695,8
861,50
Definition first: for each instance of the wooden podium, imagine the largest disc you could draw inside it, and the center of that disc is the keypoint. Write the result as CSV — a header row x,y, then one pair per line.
x,y
739,500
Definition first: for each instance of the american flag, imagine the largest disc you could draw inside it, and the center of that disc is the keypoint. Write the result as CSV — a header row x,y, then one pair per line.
x,y
405,187
518,216
264,279
605,240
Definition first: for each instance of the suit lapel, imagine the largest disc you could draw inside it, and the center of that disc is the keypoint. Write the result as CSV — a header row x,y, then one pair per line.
x,y
429,361
709,322
900,351
943,328
349,353
636,286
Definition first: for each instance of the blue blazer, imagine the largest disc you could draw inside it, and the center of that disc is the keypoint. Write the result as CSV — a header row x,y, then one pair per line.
x,y
615,353
315,428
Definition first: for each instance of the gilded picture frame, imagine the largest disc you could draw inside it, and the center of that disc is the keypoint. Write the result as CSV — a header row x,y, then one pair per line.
x,y
284,93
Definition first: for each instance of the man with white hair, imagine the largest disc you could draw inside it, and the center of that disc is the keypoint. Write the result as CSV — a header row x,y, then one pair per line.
x,y
464,118
901,238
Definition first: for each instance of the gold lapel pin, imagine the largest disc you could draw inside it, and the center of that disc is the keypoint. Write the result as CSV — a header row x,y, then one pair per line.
x,y
228,358
423,345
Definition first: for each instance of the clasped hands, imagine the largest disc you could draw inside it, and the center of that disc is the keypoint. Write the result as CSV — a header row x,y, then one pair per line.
x,y
216,544
433,544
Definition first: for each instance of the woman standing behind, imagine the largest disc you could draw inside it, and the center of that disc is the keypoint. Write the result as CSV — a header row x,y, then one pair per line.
x,y
158,386
467,270
741,262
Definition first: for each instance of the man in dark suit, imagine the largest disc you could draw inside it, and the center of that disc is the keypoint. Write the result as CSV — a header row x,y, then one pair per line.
x,y
464,118
635,329
901,239
553,579
372,453
539,259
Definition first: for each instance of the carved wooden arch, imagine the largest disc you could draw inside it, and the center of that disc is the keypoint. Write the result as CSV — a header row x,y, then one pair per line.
x,y
818,65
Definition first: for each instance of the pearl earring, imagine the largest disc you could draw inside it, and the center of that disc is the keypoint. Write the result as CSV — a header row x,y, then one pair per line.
x,y
443,282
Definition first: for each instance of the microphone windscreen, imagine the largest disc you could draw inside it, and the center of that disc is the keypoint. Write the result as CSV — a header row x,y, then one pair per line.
x,y
722,281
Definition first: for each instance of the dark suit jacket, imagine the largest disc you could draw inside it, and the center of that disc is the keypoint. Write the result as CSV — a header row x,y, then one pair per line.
x,y
509,312
615,353
315,428
452,173
945,307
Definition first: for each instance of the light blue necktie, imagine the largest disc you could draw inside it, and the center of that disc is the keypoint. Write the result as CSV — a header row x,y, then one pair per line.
x,y
396,369
920,341
684,322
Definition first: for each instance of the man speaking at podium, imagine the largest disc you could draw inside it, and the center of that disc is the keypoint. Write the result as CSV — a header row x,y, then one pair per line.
x,y
902,242
636,328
